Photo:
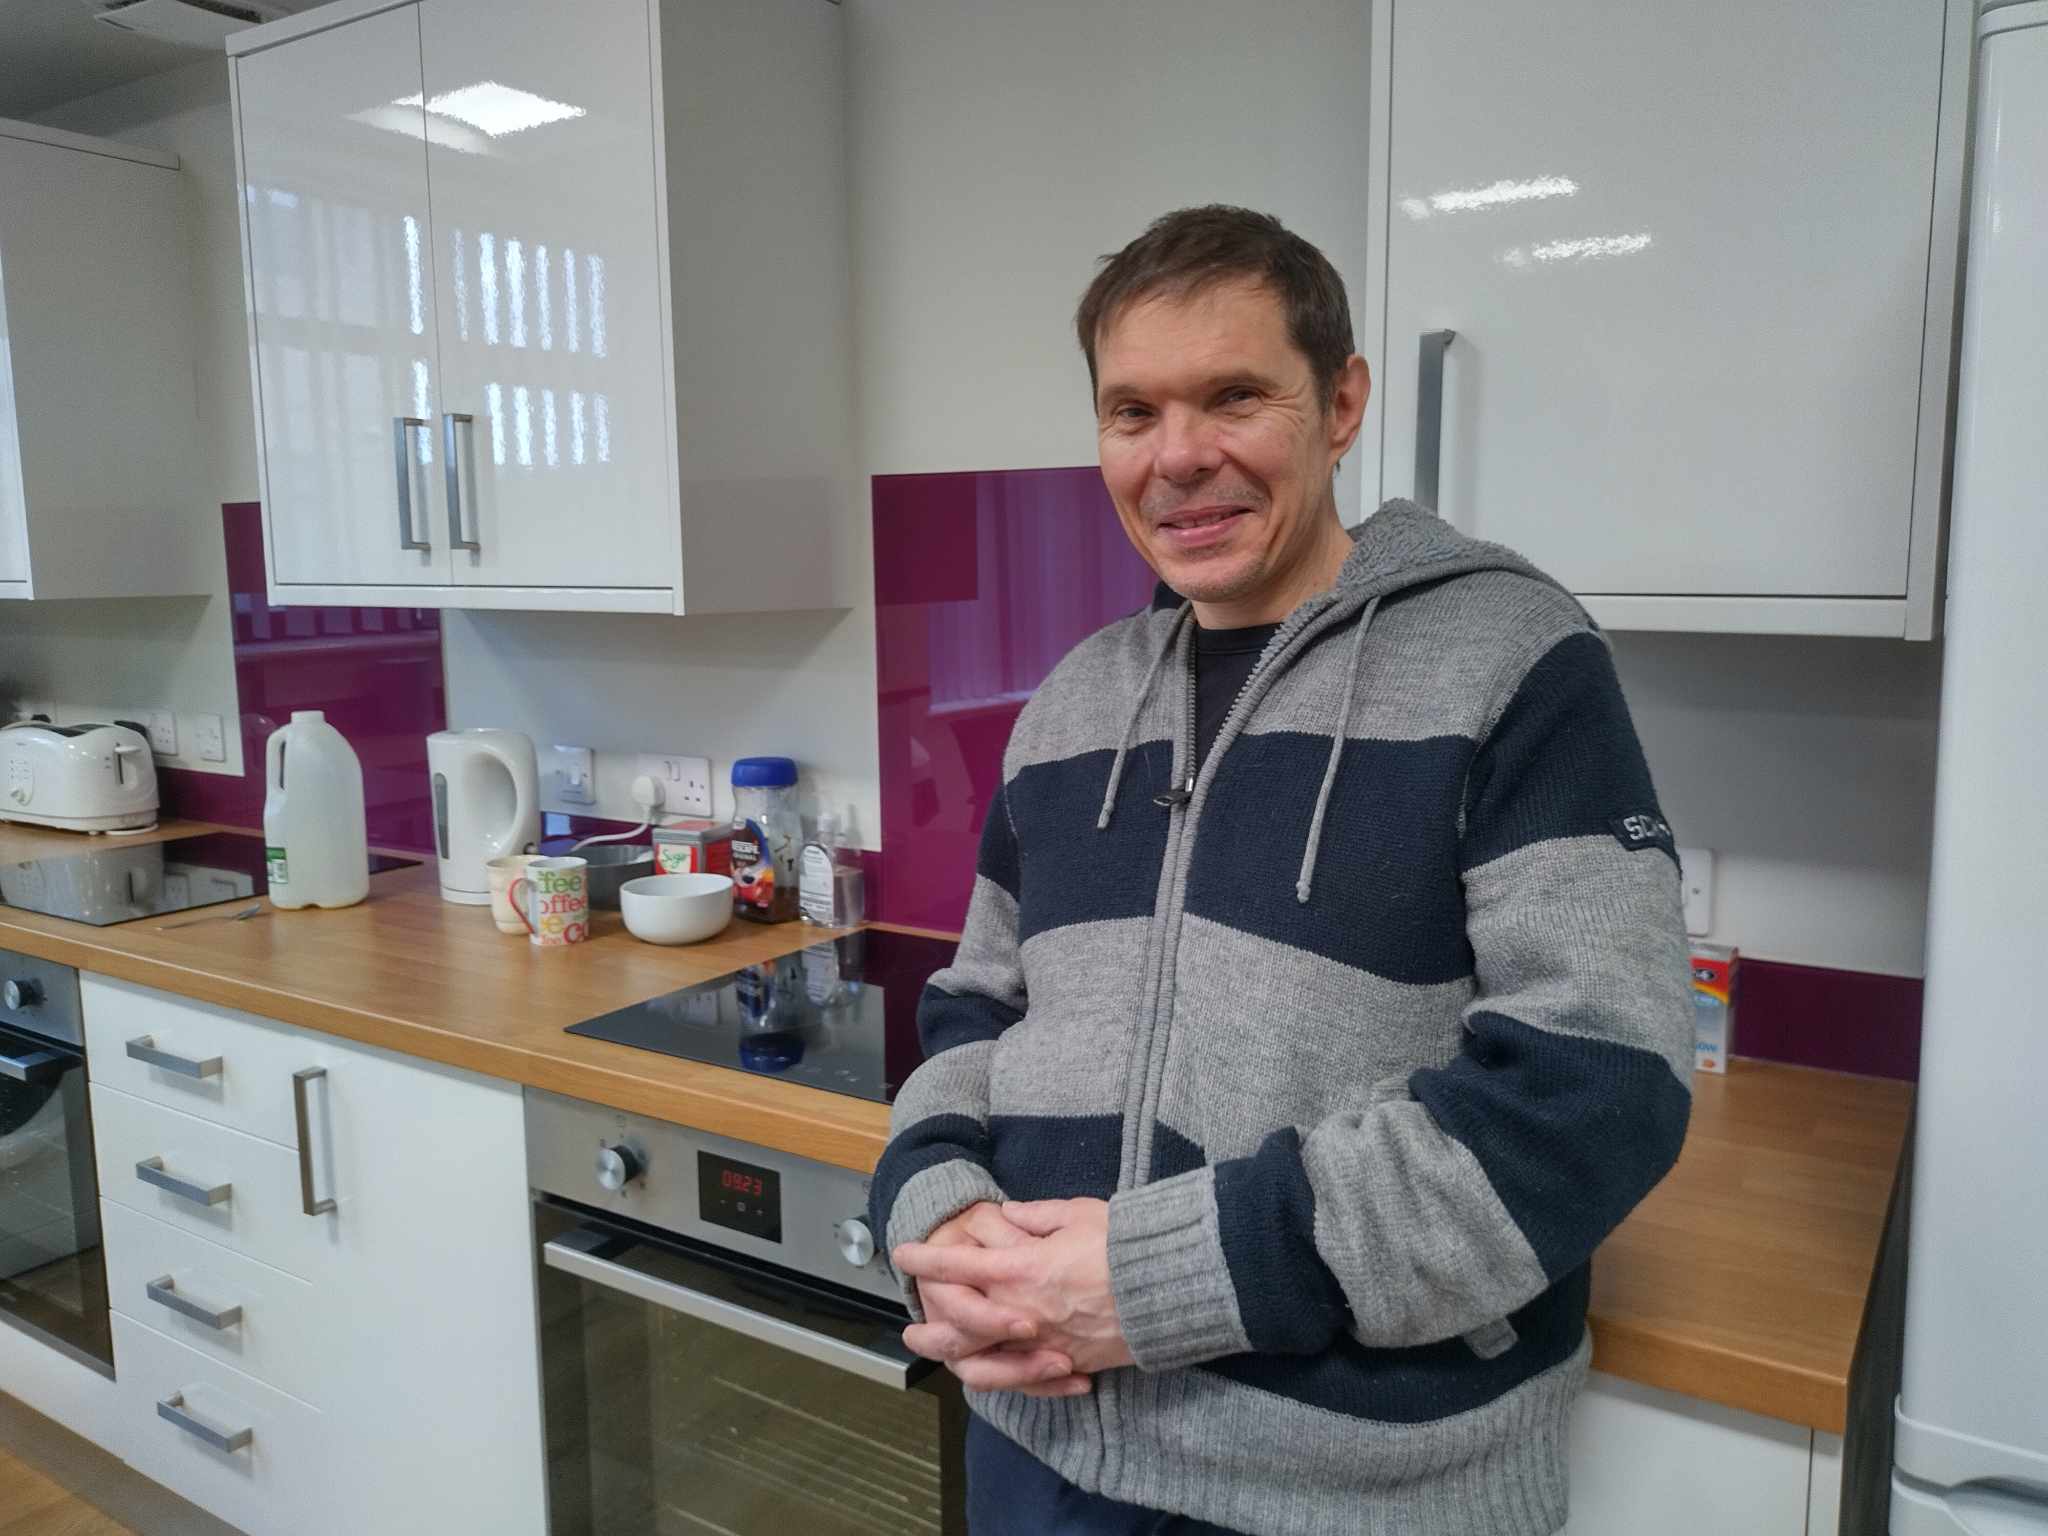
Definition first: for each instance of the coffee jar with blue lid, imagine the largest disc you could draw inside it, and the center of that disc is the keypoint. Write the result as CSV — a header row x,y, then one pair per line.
x,y
767,836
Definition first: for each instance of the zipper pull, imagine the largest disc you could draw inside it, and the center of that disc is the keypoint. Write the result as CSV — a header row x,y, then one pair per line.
x,y
1174,799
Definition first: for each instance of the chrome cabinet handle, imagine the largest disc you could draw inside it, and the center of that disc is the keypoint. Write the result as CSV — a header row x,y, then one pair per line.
x,y
151,1171
579,1253
174,1409
1429,413
143,1048
35,1067
455,538
299,1080
400,425
164,1292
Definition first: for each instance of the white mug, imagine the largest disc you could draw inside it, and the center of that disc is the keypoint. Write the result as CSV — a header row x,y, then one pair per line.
x,y
503,872
552,898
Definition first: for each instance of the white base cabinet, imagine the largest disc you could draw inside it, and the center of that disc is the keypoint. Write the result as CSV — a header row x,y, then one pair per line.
x,y
359,1297
100,494
1644,1460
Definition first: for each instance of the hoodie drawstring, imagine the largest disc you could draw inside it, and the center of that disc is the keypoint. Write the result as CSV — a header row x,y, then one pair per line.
x,y
1123,750
1315,826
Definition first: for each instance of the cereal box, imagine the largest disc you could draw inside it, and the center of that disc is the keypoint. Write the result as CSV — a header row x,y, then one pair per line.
x,y
1713,1005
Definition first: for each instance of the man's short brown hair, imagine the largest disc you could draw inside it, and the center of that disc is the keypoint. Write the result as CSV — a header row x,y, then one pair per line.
x,y
1183,252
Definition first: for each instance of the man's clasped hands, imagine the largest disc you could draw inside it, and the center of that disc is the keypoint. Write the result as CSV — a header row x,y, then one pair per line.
x,y
1017,1296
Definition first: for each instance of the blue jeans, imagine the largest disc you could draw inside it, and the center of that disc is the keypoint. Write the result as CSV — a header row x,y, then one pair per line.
x,y
1010,1492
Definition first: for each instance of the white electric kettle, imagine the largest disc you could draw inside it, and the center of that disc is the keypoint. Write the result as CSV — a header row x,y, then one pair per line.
x,y
486,804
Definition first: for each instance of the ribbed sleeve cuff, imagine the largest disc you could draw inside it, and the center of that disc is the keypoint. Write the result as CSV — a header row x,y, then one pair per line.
x,y
929,1199
1174,1298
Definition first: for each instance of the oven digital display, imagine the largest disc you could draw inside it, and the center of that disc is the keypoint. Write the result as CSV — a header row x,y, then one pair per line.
x,y
740,1197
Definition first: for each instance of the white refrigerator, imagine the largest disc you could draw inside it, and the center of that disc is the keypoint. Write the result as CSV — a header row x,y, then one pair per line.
x,y
1971,1454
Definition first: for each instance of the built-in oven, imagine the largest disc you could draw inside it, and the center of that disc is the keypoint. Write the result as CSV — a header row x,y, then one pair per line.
x,y
53,1279
721,1350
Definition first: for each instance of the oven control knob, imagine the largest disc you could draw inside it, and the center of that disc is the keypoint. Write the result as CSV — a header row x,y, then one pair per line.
x,y
856,1242
618,1166
22,992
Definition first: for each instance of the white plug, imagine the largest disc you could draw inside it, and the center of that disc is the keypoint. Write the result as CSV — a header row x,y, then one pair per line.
x,y
648,794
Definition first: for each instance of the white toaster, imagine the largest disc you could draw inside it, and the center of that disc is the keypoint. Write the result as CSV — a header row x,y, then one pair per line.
x,y
86,778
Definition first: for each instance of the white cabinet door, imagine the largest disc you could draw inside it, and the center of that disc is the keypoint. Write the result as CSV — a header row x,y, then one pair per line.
x,y
432,1284
1645,1460
542,156
341,290
1685,252
13,498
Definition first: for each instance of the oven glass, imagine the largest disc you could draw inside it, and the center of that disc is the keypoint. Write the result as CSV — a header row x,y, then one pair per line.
x,y
659,1422
52,1278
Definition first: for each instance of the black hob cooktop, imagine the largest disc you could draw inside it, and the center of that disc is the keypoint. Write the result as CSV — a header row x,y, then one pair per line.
x,y
117,881
840,1015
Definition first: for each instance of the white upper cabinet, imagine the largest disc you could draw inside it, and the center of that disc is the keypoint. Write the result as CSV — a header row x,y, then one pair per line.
x,y
1698,263
342,304
549,302
99,488
551,343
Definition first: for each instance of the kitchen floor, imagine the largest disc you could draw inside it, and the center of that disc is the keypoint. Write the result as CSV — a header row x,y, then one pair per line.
x,y
45,1470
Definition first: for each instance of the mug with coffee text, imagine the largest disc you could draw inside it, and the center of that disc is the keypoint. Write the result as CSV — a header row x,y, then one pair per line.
x,y
552,898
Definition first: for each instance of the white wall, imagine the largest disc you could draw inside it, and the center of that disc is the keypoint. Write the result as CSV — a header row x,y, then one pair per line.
x,y
162,653
1808,766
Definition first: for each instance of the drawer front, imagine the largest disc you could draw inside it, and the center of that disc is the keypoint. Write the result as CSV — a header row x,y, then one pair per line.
x,y
262,1321
261,1214
278,1482
243,1065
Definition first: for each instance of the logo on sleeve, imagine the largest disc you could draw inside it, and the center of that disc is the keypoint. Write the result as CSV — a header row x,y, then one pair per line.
x,y
1645,829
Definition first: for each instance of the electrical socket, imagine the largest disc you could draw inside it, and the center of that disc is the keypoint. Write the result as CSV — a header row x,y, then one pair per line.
x,y
574,775
163,733
685,781
209,738
1696,879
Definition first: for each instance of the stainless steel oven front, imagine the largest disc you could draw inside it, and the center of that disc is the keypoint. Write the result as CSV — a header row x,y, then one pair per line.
x,y
720,1347
53,1279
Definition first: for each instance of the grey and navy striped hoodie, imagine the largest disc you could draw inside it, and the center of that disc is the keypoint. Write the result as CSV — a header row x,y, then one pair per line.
x,y
1368,1041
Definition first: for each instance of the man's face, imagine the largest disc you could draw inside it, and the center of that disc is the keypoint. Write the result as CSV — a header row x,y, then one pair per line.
x,y
1216,446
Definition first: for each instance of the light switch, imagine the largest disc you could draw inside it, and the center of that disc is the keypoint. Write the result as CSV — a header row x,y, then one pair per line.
x,y
1696,879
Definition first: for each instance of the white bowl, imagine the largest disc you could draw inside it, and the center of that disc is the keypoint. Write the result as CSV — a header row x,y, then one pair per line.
x,y
676,909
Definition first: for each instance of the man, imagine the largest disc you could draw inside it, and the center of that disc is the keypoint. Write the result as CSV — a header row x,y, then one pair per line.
x,y
1322,1002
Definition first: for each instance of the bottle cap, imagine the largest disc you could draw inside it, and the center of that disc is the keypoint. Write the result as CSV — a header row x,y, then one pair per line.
x,y
763,772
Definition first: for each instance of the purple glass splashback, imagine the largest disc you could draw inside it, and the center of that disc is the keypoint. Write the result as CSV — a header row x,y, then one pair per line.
x,y
983,582
375,671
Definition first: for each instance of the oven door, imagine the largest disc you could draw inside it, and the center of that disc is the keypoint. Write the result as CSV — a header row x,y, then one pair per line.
x,y
686,1392
53,1281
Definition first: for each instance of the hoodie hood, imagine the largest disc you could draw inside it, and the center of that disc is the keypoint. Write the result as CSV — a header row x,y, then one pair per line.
x,y
1401,545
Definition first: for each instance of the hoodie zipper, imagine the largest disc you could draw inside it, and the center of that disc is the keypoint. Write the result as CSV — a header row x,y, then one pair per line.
x,y
1150,1066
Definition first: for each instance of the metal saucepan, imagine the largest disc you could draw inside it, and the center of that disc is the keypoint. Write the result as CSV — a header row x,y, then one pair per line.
x,y
611,866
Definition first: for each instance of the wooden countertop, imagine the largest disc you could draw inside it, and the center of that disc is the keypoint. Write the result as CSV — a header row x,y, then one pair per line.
x,y
1740,1280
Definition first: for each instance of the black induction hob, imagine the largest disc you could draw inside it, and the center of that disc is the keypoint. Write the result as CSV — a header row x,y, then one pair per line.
x,y
840,1015
117,881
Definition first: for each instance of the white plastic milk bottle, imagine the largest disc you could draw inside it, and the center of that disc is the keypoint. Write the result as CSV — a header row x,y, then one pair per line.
x,y
315,836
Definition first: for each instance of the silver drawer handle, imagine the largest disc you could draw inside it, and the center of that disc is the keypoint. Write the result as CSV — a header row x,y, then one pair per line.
x,y
151,1171
164,1292
1429,413
143,1048
174,1409
311,1206
400,426
449,420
